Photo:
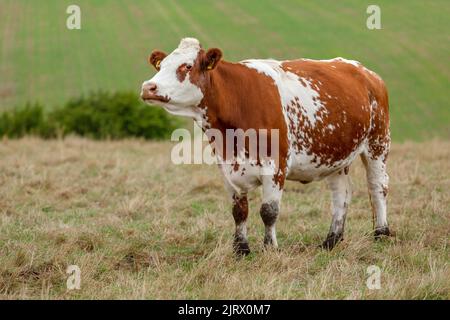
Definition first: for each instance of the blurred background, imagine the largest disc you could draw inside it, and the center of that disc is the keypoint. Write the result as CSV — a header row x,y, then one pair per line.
x,y
43,63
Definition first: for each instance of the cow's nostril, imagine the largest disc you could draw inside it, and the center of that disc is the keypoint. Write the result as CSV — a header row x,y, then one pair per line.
x,y
152,87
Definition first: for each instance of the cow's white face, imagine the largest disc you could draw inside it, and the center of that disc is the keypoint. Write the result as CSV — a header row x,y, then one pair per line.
x,y
174,87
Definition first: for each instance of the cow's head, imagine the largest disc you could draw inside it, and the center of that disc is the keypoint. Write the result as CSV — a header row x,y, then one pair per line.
x,y
182,76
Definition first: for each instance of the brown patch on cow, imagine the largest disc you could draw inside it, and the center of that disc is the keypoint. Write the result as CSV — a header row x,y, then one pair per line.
x,y
182,71
240,209
279,176
240,214
385,191
346,170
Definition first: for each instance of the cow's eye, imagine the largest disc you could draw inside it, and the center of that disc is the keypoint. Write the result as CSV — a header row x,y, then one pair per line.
x,y
188,66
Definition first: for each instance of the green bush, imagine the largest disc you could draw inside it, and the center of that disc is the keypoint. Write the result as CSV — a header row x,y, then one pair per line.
x,y
101,115
29,120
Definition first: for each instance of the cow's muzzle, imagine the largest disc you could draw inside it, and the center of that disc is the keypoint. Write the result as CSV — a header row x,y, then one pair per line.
x,y
149,93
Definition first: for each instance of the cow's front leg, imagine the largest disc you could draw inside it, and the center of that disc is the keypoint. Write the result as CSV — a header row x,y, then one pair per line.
x,y
270,209
240,214
339,184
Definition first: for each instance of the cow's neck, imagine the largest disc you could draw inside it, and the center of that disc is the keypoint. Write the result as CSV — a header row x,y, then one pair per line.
x,y
225,97
238,97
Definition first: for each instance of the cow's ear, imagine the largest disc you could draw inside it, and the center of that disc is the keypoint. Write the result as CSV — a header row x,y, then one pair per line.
x,y
212,57
155,58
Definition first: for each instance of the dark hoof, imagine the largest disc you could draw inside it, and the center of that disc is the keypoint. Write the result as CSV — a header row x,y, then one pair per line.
x,y
241,248
382,232
332,240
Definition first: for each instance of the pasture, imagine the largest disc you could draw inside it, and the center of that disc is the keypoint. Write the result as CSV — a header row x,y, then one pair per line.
x,y
41,60
140,227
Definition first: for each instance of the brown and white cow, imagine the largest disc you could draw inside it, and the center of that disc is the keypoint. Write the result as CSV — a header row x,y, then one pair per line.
x,y
327,112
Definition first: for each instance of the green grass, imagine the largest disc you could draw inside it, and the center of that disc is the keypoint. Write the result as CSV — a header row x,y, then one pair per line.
x,y
41,60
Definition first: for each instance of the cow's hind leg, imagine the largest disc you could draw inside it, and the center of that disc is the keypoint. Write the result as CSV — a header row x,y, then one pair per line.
x,y
377,180
340,186
240,214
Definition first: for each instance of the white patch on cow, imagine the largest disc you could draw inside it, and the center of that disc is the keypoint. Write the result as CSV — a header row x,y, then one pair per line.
x,y
303,168
290,87
373,106
184,96
340,59
310,101
269,67
202,119
340,187
241,230
243,174
378,181
245,178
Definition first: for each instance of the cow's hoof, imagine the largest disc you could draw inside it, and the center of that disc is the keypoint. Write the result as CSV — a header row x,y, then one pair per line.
x,y
332,240
241,249
383,232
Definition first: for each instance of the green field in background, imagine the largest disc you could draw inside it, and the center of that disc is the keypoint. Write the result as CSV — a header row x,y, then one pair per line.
x,y
41,60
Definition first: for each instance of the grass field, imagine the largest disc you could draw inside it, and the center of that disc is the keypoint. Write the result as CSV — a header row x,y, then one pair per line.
x,y
141,227
41,60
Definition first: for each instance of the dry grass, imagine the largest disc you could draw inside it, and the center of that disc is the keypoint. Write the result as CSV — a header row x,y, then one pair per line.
x,y
141,227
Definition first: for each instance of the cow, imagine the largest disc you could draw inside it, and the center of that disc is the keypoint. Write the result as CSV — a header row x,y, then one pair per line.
x,y
327,112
